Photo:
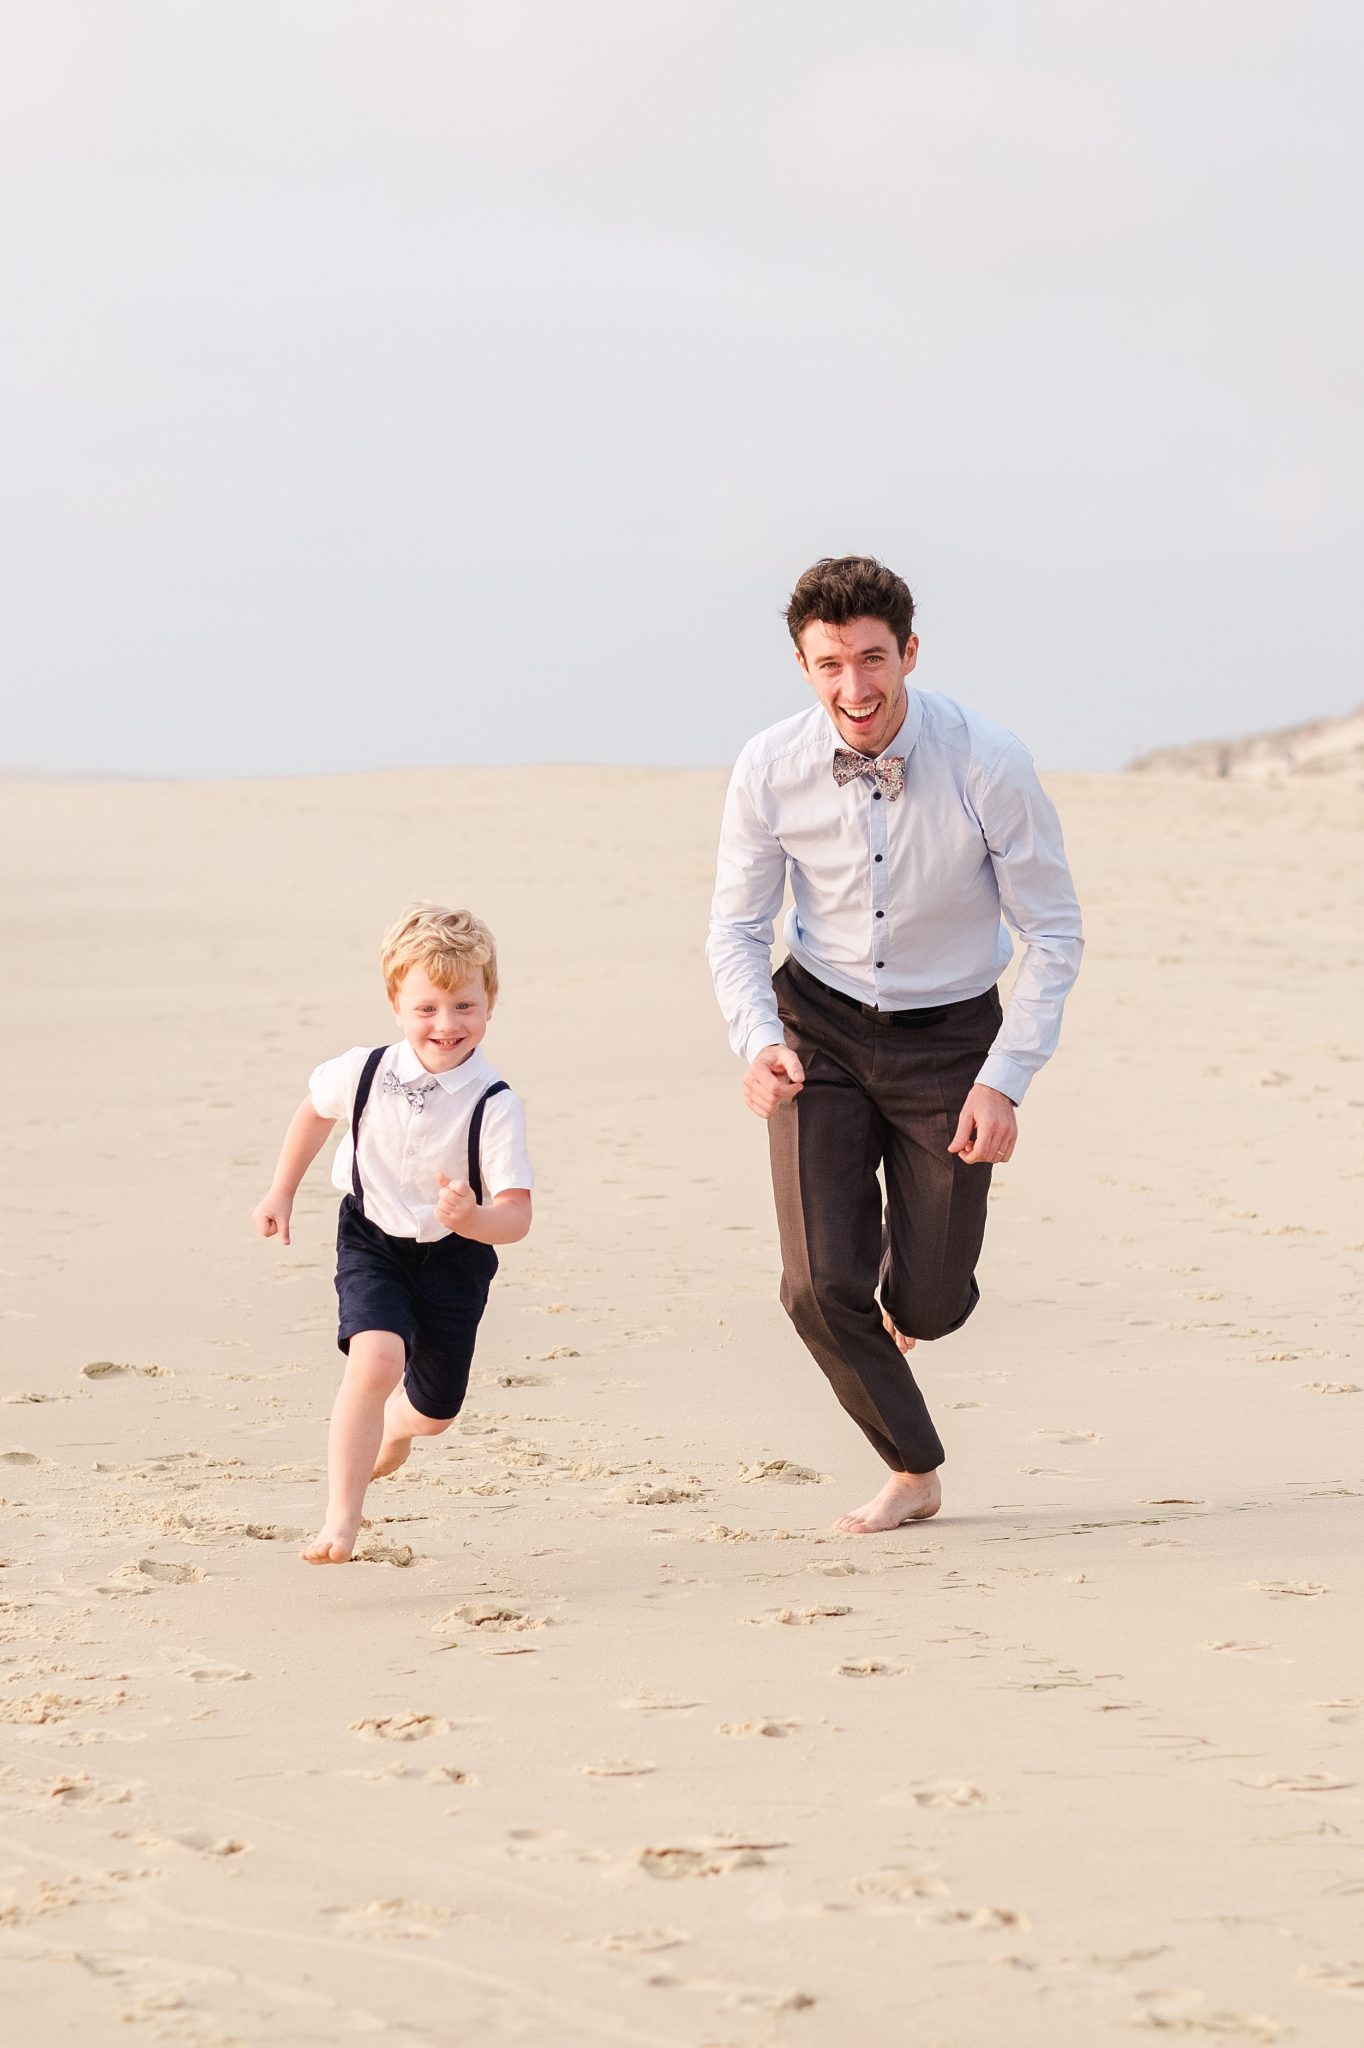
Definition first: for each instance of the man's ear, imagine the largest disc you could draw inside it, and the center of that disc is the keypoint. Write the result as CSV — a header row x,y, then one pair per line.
x,y
910,655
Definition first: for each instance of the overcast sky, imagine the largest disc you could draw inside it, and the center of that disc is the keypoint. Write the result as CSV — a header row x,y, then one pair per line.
x,y
395,381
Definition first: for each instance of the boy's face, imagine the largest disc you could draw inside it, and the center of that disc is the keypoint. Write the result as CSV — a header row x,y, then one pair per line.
x,y
442,1025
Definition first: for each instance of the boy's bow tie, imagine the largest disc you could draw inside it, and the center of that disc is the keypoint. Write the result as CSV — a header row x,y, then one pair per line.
x,y
415,1092
888,773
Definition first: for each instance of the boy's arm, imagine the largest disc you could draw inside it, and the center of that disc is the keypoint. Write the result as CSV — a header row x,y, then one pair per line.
x,y
504,1220
307,1134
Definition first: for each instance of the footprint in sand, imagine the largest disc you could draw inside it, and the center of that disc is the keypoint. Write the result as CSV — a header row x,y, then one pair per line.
x,y
1240,1648
989,1919
1289,1589
377,1551
142,1574
716,1858
205,1843
951,1793
22,1458
647,1703
1183,2011
1070,1436
651,1494
399,1727
869,1667
1343,1977
490,1617
646,1941
781,1472
766,1724
616,1767
1308,1781
896,1889
396,1919
107,1369
795,1617
216,1674
1331,1387
78,1788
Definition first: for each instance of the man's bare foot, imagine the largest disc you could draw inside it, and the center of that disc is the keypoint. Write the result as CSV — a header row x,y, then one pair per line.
x,y
393,1452
905,1497
334,1542
905,1343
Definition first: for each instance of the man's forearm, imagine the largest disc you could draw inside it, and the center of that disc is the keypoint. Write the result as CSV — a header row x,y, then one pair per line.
x,y
741,969
1028,1036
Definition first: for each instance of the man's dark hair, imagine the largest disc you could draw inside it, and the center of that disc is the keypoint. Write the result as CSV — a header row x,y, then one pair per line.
x,y
840,588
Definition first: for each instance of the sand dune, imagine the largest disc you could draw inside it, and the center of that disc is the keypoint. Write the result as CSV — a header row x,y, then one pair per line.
x,y
1322,747
609,1737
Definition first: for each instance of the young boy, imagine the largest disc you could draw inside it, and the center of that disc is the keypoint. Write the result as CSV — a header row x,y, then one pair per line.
x,y
434,1173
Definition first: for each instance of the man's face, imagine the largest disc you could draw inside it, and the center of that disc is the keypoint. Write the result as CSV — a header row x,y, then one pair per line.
x,y
858,674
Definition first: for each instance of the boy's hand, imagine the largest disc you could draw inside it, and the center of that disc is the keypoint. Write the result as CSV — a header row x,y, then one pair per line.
x,y
455,1203
271,1215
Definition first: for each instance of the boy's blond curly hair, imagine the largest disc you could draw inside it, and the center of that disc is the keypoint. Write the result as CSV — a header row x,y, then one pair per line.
x,y
453,946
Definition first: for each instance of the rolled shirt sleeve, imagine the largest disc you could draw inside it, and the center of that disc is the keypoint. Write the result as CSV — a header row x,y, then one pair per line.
x,y
749,884
332,1086
1037,898
503,1155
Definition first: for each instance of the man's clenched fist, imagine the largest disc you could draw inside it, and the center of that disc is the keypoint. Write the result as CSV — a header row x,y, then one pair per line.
x,y
774,1076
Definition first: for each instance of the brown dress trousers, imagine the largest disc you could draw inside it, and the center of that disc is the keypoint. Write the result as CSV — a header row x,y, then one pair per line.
x,y
881,1090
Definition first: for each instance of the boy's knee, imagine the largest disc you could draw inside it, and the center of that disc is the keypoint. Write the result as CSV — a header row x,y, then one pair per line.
x,y
431,1425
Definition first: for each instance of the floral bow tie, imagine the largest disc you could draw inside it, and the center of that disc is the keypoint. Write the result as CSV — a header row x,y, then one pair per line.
x,y
888,774
414,1092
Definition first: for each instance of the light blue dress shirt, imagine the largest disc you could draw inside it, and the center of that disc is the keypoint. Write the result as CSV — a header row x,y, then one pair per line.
x,y
904,903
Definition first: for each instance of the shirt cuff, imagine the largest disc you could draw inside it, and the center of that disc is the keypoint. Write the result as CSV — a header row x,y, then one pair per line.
x,y
761,1035
1006,1075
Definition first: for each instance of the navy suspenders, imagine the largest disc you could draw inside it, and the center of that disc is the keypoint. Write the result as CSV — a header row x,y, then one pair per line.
x,y
476,1135
370,1069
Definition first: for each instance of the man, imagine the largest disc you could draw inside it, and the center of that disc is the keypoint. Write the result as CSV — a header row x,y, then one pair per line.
x,y
907,824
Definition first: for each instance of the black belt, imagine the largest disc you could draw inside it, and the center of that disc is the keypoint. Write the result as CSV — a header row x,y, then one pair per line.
x,y
911,1020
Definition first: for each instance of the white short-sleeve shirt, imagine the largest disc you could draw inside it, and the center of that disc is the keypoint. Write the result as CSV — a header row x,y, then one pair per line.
x,y
411,1133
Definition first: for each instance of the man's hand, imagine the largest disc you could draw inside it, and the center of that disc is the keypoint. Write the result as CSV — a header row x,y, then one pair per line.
x,y
987,1129
271,1215
455,1204
774,1076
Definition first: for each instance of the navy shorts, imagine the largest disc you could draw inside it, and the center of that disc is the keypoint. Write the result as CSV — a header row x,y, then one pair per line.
x,y
431,1295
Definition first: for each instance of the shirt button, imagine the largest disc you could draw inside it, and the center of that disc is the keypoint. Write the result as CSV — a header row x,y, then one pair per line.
x,y
880,913
880,963
876,796
880,856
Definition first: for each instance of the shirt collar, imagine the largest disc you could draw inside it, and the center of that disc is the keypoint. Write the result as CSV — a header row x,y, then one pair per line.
x,y
911,725
407,1067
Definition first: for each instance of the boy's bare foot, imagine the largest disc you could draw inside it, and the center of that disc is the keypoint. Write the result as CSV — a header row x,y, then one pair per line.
x,y
393,1452
905,1343
334,1542
905,1497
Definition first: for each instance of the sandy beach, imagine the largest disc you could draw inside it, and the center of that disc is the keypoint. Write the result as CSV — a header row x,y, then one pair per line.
x,y
610,1737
